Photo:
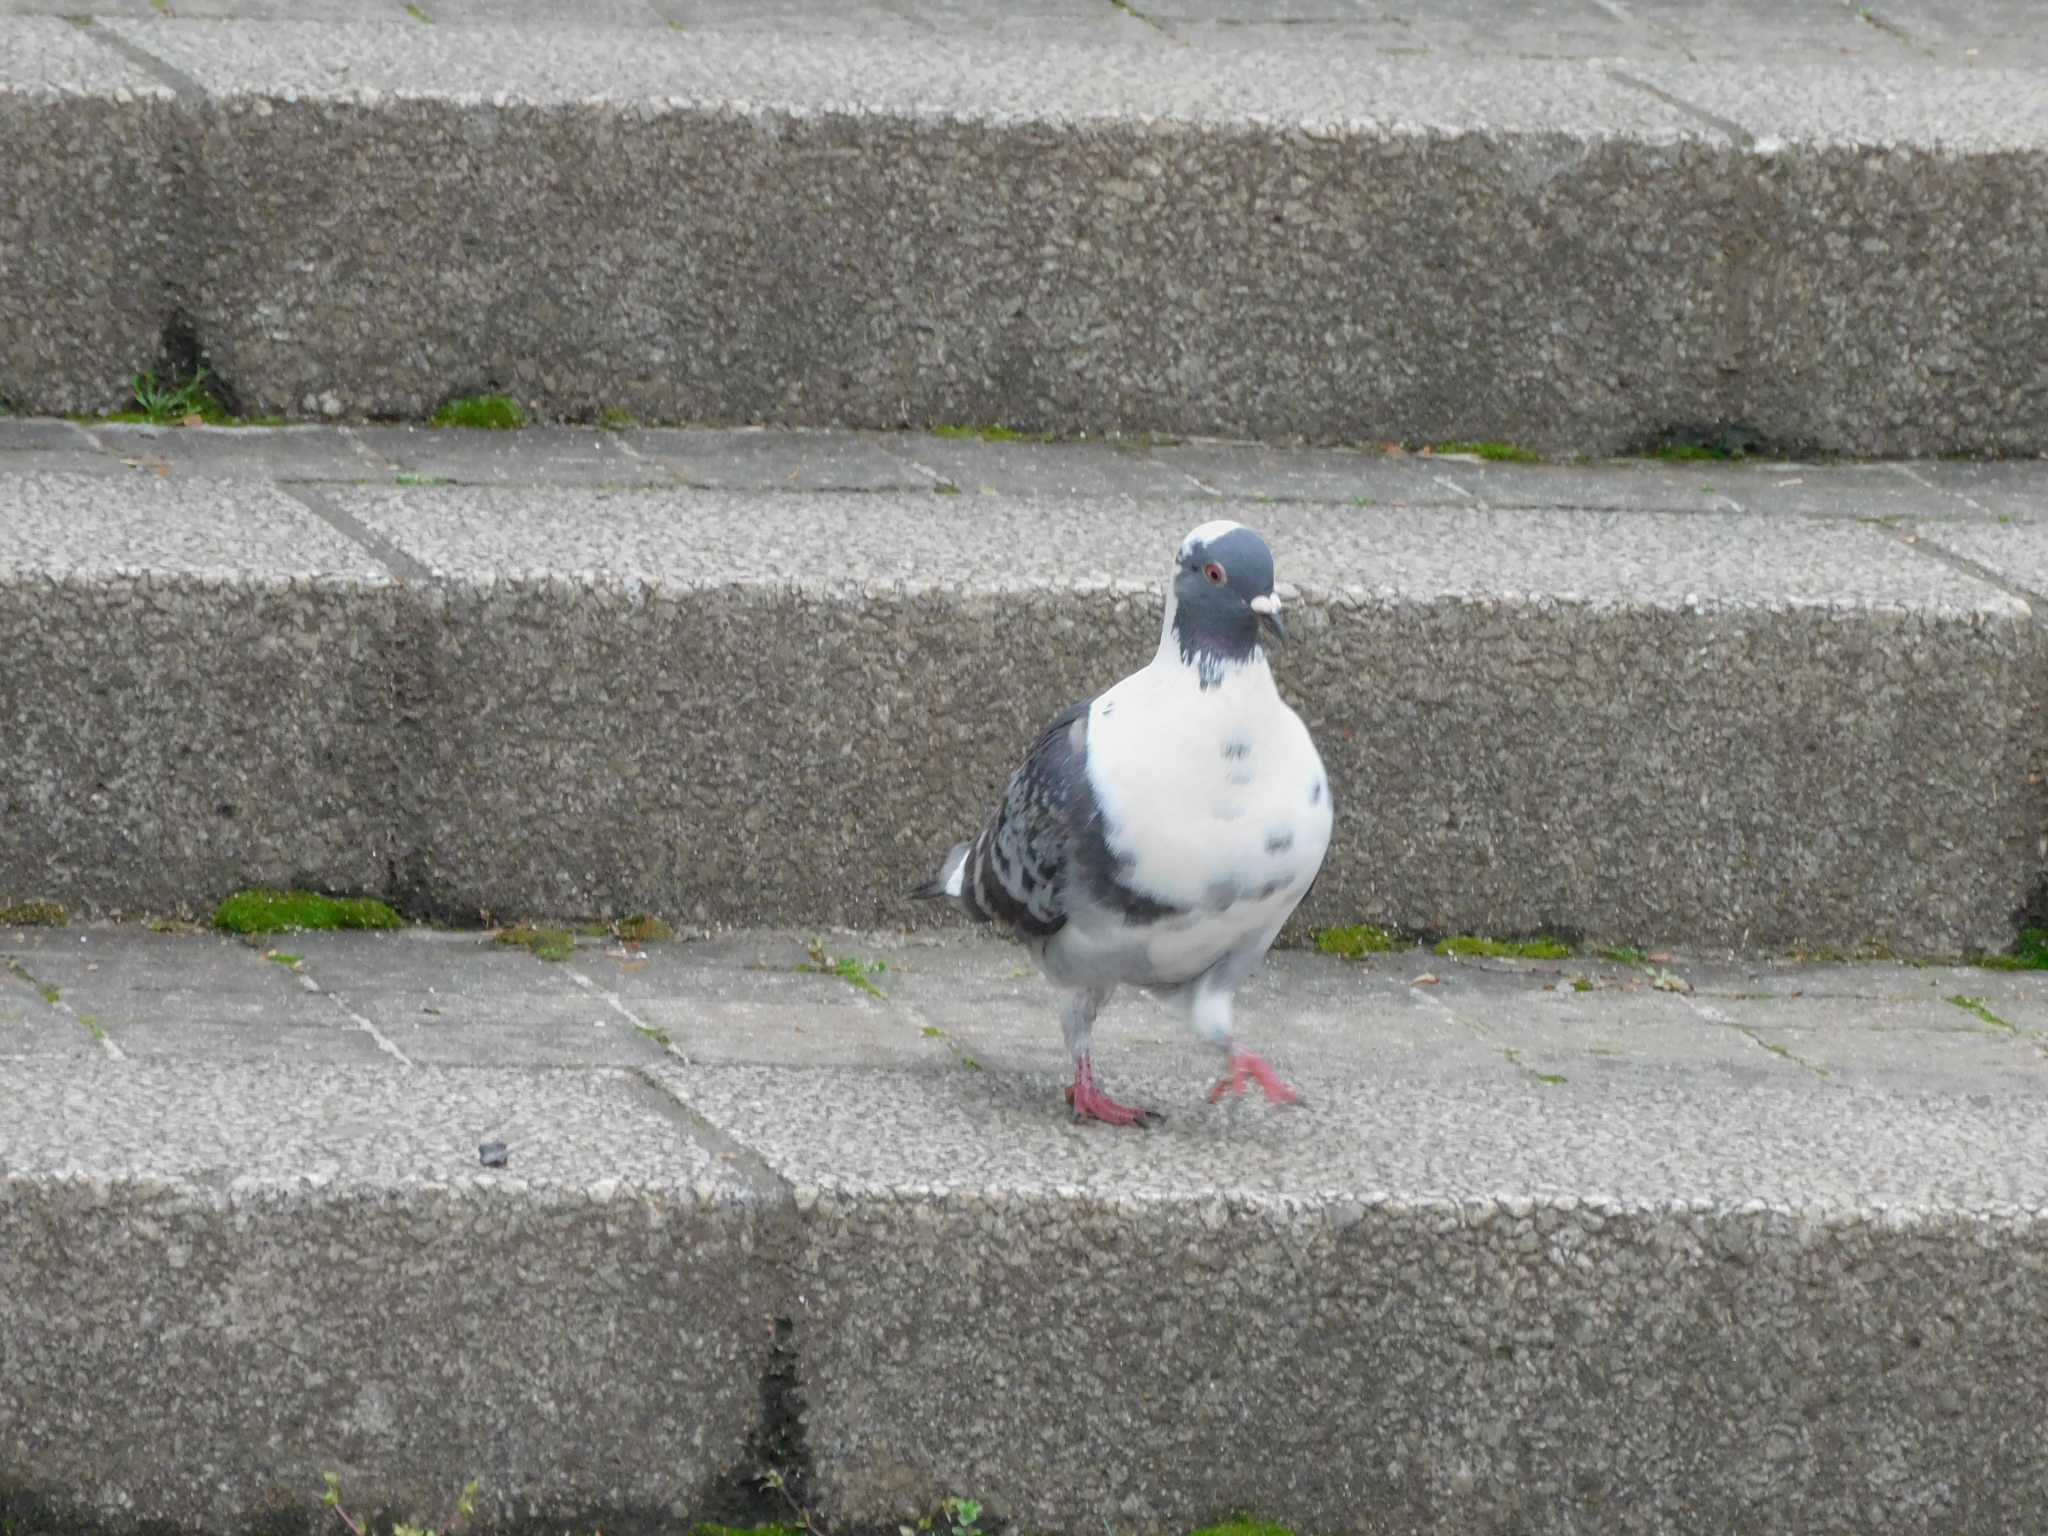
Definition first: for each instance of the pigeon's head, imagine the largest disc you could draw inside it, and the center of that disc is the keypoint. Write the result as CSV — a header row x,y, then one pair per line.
x,y
1223,597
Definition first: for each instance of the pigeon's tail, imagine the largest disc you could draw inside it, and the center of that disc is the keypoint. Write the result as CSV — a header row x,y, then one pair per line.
x,y
949,881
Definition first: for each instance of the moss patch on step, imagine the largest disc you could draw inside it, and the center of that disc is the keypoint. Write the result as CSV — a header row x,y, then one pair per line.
x,y
1498,453
33,914
1465,946
1356,941
267,911
492,413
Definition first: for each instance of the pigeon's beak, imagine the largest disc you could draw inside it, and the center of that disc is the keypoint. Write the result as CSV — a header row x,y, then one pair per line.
x,y
1268,610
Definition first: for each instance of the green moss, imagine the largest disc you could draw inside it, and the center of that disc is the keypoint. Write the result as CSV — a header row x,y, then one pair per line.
x,y
419,15
1581,984
418,480
642,929
33,914
1355,942
993,434
91,1025
284,957
659,1036
265,911
543,943
945,488
1689,453
48,993
1500,453
1242,1528
1977,1006
707,1529
492,413
1466,946
2029,953
1621,954
613,419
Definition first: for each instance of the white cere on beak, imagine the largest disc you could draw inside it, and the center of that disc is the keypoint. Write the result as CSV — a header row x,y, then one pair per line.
x,y
1270,603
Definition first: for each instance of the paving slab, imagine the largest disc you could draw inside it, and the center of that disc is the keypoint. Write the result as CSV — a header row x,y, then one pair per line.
x,y
228,1277
274,454
534,455
463,998
161,994
1043,469
781,461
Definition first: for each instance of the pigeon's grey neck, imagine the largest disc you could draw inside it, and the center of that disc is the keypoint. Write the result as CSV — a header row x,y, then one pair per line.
x,y
1216,652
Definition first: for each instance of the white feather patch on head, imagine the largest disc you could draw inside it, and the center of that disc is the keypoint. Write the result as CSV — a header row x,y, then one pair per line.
x,y
1209,533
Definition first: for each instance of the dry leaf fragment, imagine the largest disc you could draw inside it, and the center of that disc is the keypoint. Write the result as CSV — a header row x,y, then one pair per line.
x,y
1426,979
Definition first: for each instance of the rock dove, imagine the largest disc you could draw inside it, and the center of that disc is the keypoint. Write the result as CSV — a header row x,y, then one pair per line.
x,y
1159,834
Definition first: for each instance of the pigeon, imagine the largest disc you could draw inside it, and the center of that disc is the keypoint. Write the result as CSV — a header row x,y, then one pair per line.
x,y
1159,834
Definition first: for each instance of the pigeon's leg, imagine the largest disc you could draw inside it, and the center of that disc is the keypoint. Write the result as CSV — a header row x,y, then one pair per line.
x,y
1077,1023
1209,1012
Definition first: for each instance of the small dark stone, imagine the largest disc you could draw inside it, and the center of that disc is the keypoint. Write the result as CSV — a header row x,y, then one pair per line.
x,y
495,1154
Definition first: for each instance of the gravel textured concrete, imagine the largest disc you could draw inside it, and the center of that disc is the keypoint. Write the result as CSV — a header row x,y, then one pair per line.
x,y
91,219
225,1278
1573,227
516,694
1636,1245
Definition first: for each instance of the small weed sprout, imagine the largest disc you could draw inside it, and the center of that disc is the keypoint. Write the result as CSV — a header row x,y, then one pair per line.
x,y
465,1509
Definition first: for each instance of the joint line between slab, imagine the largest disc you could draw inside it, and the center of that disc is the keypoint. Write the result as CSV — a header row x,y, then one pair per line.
x,y
617,1005
1924,543
760,1172
183,85
387,554
1727,127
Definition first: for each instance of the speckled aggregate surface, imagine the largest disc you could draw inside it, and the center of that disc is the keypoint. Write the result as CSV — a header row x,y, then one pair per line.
x,y
80,528
828,543
1543,1234
1573,227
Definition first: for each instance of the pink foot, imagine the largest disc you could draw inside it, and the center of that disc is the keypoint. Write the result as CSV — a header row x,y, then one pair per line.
x,y
1091,1103
1245,1066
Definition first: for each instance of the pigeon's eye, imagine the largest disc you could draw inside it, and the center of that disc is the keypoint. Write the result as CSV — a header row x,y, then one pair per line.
x,y
1214,572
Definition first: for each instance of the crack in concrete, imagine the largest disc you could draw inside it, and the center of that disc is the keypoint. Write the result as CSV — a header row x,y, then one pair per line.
x,y
54,999
1784,1053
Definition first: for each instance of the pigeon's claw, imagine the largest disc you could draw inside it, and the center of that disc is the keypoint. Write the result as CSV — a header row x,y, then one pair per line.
x,y
1091,1103
1245,1067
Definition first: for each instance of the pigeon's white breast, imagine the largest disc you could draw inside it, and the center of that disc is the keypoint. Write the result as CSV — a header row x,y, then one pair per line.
x,y
1216,799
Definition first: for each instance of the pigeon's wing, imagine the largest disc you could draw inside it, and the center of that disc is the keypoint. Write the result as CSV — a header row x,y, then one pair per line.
x,y
1015,872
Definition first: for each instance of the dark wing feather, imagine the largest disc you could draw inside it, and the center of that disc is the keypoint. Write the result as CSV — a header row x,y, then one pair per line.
x,y
1016,870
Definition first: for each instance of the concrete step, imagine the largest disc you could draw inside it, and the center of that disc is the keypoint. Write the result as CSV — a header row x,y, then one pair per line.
x,y
1571,226
1548,1248
749,677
